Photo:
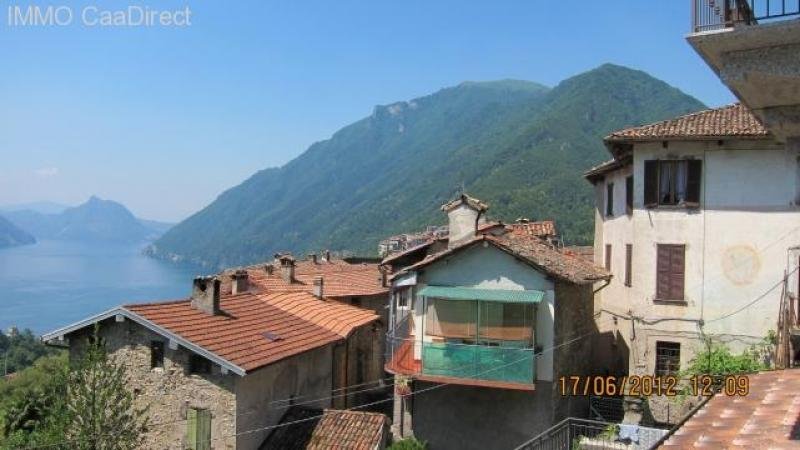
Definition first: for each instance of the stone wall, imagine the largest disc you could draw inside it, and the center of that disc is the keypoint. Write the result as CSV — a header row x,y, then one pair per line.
x,y
575,332
169,391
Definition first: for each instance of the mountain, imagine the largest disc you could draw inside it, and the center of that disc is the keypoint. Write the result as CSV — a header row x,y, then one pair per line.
x,y
517,145
11,235
95,220
43,207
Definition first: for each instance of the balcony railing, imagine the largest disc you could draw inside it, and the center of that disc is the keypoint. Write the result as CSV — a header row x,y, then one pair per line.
x,y
582,434
474,364
717,14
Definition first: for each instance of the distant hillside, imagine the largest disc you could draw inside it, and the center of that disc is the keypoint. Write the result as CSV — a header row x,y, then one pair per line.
x,y
518,145
95,220
43,207
11,235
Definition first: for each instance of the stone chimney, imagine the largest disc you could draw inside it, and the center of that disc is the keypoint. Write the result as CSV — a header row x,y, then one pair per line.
x,y
269,268
319,284
205,294
312,257
327,257
239,282
286,262
464,215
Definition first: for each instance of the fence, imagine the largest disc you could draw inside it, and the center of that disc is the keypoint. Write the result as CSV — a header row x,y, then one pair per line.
x,y
716,14
584,434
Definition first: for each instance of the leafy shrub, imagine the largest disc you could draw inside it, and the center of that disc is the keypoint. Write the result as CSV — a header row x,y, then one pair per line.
x,y
408,444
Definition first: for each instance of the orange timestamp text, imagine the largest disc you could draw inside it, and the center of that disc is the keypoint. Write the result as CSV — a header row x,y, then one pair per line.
x,y
648,385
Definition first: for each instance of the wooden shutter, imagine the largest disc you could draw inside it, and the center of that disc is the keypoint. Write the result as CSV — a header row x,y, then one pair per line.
x,y
609,199
629,195
651,184
670,267
608,257
203,429
198,429
628,265
694,175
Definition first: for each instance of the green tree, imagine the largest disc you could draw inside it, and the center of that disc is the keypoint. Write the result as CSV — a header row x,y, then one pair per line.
x,y
21,350
716,359
31,404
100,409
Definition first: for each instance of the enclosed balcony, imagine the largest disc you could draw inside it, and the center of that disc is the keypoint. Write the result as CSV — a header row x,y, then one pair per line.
x,y
468,336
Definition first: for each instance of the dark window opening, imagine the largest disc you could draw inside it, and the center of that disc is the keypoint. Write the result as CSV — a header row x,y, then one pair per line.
x,y
672,183
629,195
199,365
156,354
355,301
608,257
668,358
609,199
628,264
670,272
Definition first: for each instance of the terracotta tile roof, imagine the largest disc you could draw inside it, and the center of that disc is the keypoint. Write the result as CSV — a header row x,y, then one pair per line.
x,y
341,279
298,321
397,255
563,265
732,120
601,169
329,429
767,417
543,228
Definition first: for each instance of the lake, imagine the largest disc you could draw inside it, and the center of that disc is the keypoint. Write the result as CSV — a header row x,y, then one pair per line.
x,y
54,283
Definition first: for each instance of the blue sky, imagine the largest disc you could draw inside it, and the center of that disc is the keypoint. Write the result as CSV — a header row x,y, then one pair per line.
x,y
165,119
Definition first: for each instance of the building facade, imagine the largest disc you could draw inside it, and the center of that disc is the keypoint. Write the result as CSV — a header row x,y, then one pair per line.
x,y
696,217
220,370
482,327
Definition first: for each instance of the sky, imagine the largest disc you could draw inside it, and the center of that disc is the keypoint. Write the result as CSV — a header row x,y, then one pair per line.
x,y
165,118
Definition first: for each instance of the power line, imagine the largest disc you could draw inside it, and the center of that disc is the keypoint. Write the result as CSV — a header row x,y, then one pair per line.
x,y
280,425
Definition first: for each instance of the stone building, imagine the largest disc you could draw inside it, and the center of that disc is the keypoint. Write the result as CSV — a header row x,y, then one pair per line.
x,y
217,370
696,217
483,325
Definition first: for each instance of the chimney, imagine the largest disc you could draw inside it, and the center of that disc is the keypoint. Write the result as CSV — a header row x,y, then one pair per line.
x,y
327,256
287,267
239,282
269,268
319,284
312,257
205,294
464,215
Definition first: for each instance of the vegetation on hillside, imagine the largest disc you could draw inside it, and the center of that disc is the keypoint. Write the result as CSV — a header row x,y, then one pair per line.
x,y
85,405
517,145
21,350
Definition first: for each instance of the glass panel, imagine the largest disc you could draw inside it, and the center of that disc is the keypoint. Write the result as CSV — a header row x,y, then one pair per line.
x,y
451,319
506,321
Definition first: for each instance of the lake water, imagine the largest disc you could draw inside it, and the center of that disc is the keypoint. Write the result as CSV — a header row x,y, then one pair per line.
x,y
54,283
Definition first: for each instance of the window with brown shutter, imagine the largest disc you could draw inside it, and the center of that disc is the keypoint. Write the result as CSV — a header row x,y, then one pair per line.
x,y
609,199
608,257
672,182
670,268
629,195
628,265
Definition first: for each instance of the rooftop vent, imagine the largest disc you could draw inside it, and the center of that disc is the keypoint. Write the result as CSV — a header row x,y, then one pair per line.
x,y
239,282
272,337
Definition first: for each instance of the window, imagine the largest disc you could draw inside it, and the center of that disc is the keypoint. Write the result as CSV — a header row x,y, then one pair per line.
x,y
156,354
672,182
629,195
609,199
402,297
668,358
670,267
608,257
198,429
628,265
198,364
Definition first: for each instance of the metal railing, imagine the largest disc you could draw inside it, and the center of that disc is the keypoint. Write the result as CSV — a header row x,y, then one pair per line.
x,y
717,14
583,434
